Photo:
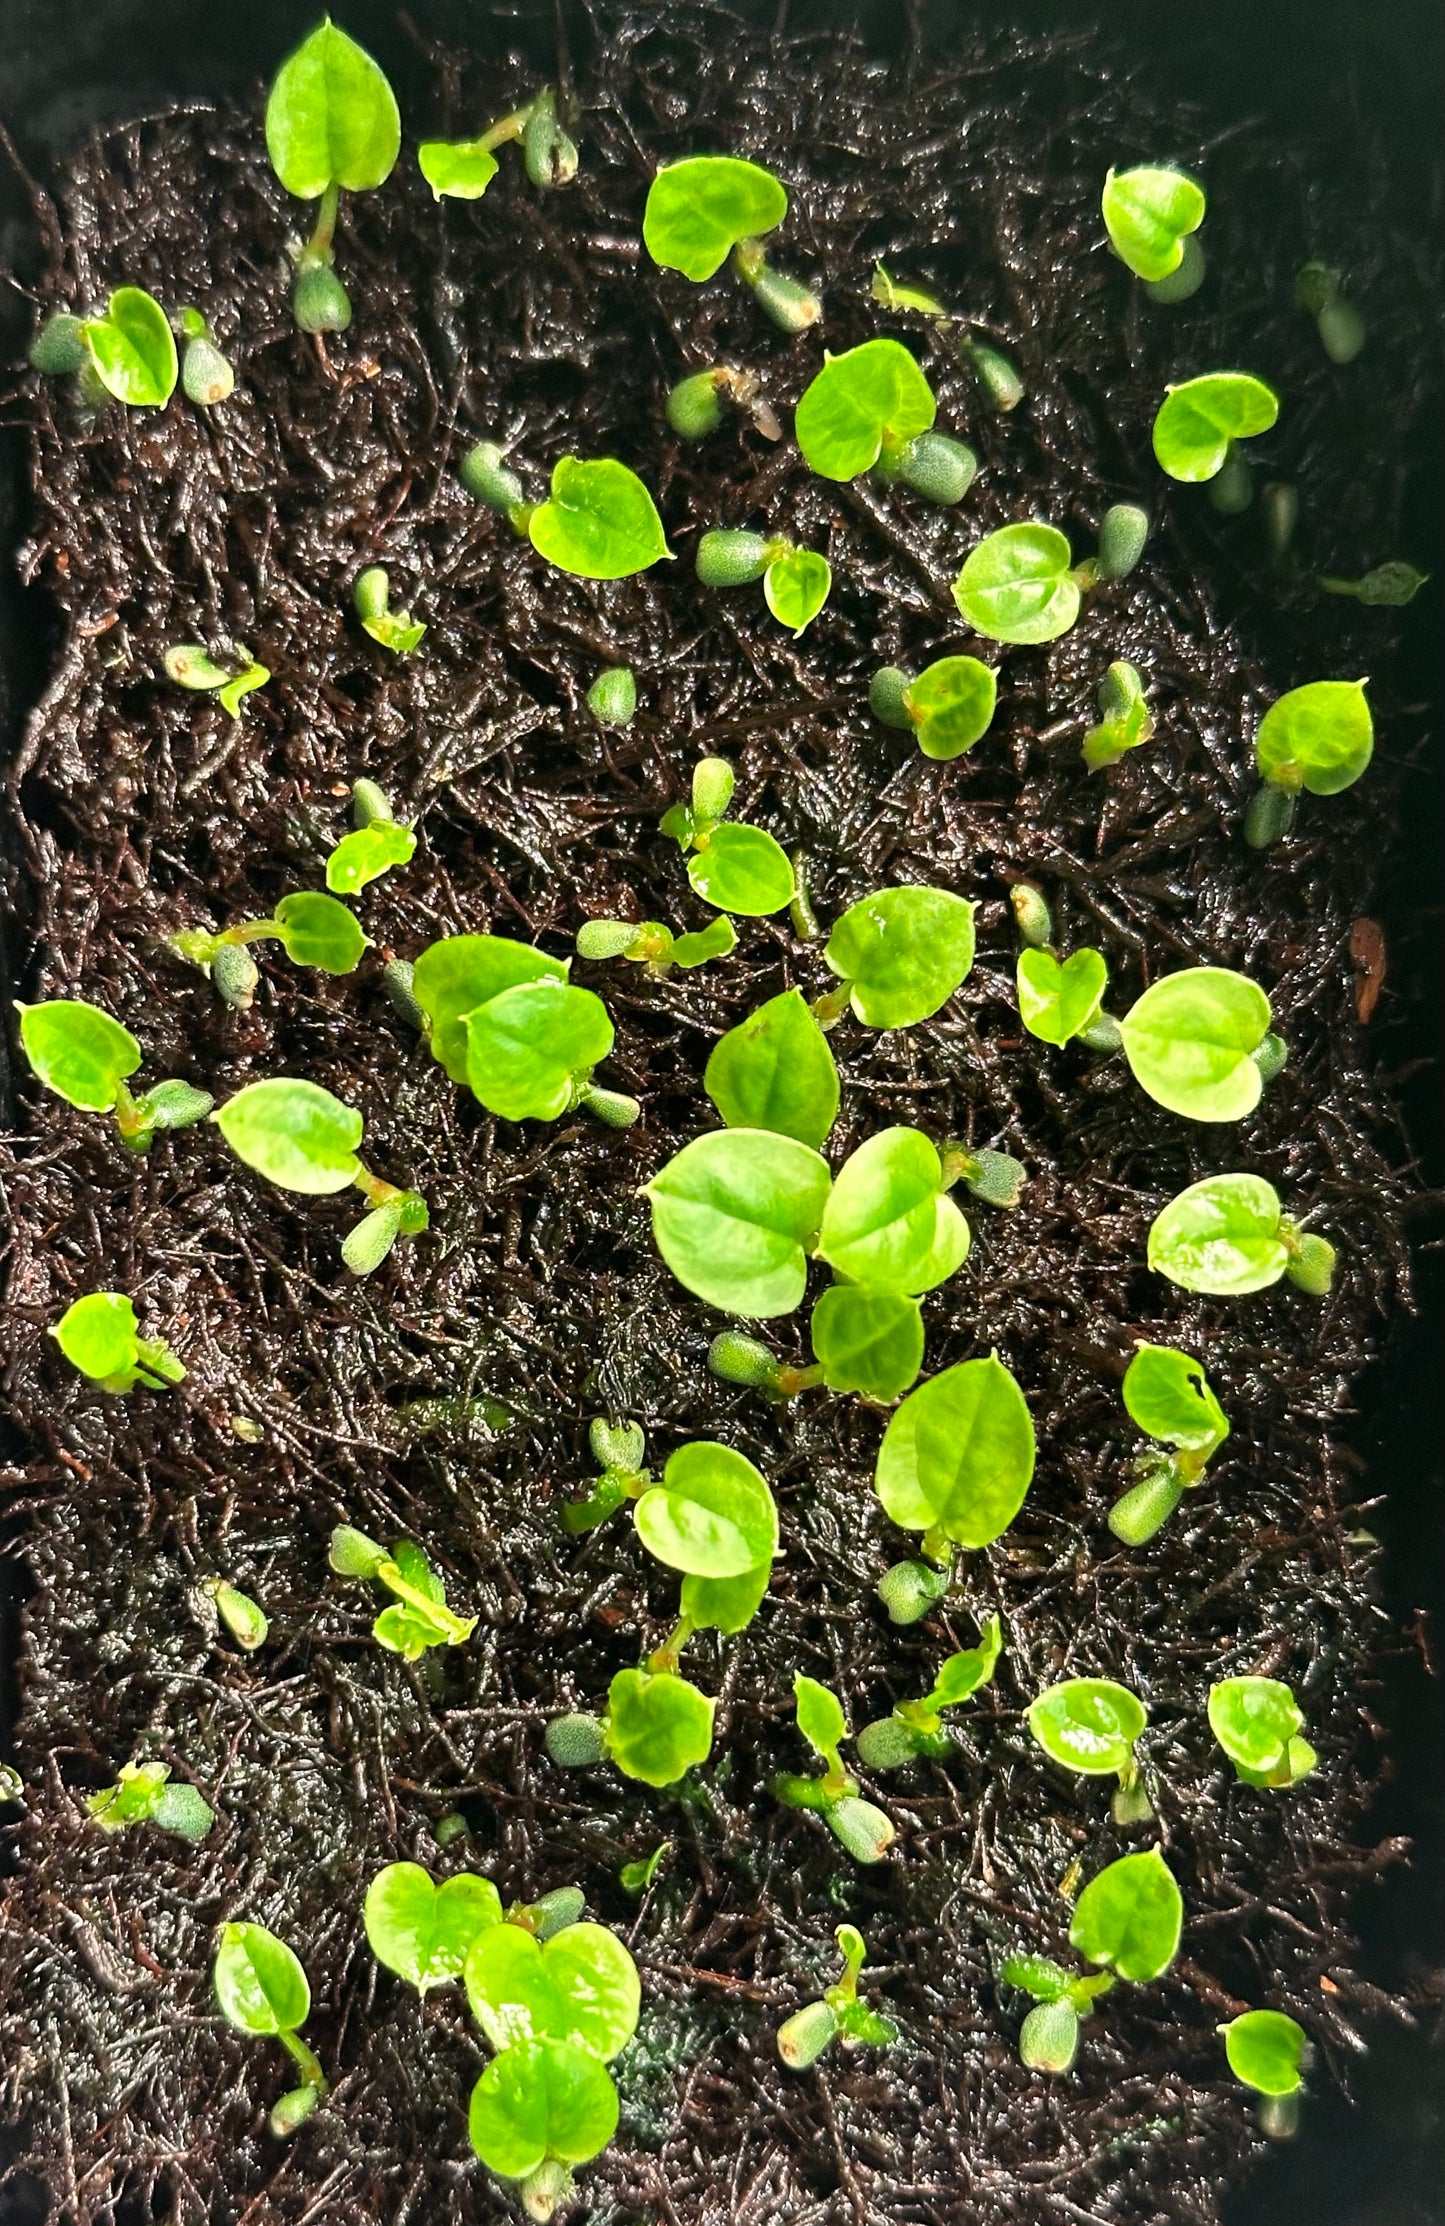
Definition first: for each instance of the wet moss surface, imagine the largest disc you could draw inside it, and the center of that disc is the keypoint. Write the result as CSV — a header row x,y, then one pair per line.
x,y
137,810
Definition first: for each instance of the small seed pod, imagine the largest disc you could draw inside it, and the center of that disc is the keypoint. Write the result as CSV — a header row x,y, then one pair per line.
x,y
364,1247
1123,532
1341,329
860,1827
293,2110
606,938
997,374
713,781
617,1445
368,802
1279,510
886,1744
59,349
1049,2037
940,468
372,593
694,405
1312,1265
742,1360
555,1911
1271,1056
995,1177
543,2191
730,559
790,305
1147,1506
396,981
243,1619
909,1589
612,697
1270,816
206,375
803,2037
1185,279
576,1741
549,156
1034,920
235,974
319,301
485,473
886,691
1231,490
1102,1034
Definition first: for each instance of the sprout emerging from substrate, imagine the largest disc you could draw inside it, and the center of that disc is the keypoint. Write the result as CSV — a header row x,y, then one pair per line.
x,y
377,842
303,1139
1269,2052
916,1727
503,1019
872,410
395,630
312,928
262,1990
838,2015
1228,1235
731,865
87,1058
419,1617
796,582
1091,1724
599,522
100,1336
332,124
191,665
462,169
1168,1395
857,1825
1200,425
143,1794
1152,216
1319,737
708,207
1128,1922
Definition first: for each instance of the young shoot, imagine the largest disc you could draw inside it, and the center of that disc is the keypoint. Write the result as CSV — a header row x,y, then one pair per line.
x,y
1387,587
143,1794
1152,216
1090,1724
651,944
899,956
302,1138
1258,1724
796,582
262,1990
1125,720
223,1604
637,1878
1341,328
711,206
206,375
871,410
332,125
957,1458
598,523
87,1058
377,842
419,1617
1128,1922
504,1019
712,1517
1228,1235
949,705
733,866
612,697
395,630
1060,999
425,1932
100,1336
462,169
1199,1043
838,2015
857,1825
1049,2035
1199,426
313,930
1320,737
191,665
775,1071
617,1448
916,1727
996,373
130,352
1168,1395
865,1341
1270,2052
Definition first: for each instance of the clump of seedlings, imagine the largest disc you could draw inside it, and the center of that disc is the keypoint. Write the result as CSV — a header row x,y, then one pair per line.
x,y
419,1617
1125,720
871,410
1270,2052
1258,1722
1152,216
1319,737
796,582
1199,1042
1021,585
1228,1235
1127,1922
695,404
996,372
87,1058
775,1071
332,125
191,665
503,1019
302,1138
701,211
651,944
219,1603
207,376
612,697
916,1727
1168,1395
1341,328
857,1825
733,866
462,169
262,1990
100,1336
143,1794
599,522
1199,427
1091,1724
957,1458
949,705
838,2015
395,630
312,928
377,842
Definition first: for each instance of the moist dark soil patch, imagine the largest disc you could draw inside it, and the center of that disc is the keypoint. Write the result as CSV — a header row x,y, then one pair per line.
x,y
138,810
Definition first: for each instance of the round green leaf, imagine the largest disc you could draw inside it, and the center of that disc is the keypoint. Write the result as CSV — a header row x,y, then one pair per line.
x,y
1168,1395
658,1725
540,2099
294,1133
735,1215
796,586
1018,586
863,402
867,1341
581,1987
422,1931
453,977
367,853
1129,1918
133,349
698,210
526,1048
958,1455
456,169
259,1983
775,1071
1254,1719
1265,2049
888,1222
1197,421
1148,214
1058,1002
1189,1039
78,1051
316,930
1088,1724
820,1716
331,118
711,1516
98,1334
1320,737
903,953
1221,1236
601,523
951,704
741,869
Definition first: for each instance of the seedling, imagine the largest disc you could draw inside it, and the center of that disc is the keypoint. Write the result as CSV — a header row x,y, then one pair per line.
x,y
1168,1395
857,1825
695,404
397,631
796,582
331,125
599,522
612,697
867,1341
99,1335
1199,426
420,1618
949,705
1060,999
302,1138
462,169
1319,737
1049,2035
957,1458
1125,718
190,665
838,2015
422,1931
1269,2052
86,1058
651,944
1019,585
1257,1722
997,373
888,1222
916,1726
1152,217
871,410
142,1794
1199,1043
1341,328
1227,1235
262,1990
377,842
701,210
1387,587
206,375
899,955
246,1622
313,930
733,866
1090,1724
712,1517
131,350
637,1878
504,1019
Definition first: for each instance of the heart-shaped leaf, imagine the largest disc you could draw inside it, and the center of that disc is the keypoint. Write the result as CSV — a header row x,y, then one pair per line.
x,y
735,1215
528,1047
453,977
600,523
331,117
422,1931
775,1071
658,1725
1221,1235
1198,421
958,1455
1018,585
711,1516
867,401
1059,1001
1148,213
887,1221
1129,1918
78,1051
294,1133
698,210
903,952
581,1986
541,2099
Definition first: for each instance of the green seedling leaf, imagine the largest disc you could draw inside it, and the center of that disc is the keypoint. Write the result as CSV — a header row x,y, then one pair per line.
x,y
1059,1000
457,169
951,705
863,406
635,1878
581,1986
958,1456
422,1931
1222,1236
541,2099
1167,1394
331,118
796,585
78,1051
316,930
1018,585
741,869
1148,214
1320,737
1088,1724
133,350
888,1221
820,1718
1190,1042
1129,1918
658,1725
1257,1722
711,1516
735,1214
869,1342
903,953
1388,587
243,684
1266,2050
527,1048
99,1335
295,1134
698,210
367,853
600,523
141,1795
966,1673
1127,720
775,1071
725,1604
462,972
1199,420
260,1985
397,631
705,943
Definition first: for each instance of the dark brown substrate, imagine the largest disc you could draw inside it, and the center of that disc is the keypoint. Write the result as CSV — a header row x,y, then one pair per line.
x,y
139,810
